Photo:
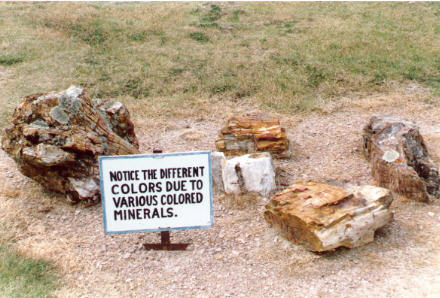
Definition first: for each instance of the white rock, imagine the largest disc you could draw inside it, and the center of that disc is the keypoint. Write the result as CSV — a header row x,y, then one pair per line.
x,y
86,187
249,173
217,159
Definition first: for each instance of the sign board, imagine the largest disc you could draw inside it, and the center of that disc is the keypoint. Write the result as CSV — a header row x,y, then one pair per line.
x,y
156,192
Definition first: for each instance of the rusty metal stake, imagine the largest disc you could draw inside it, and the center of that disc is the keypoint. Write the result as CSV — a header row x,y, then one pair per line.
x,y
165,242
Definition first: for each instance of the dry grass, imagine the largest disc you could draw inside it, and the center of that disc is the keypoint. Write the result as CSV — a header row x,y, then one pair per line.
x,y
24,277
24,272
286,56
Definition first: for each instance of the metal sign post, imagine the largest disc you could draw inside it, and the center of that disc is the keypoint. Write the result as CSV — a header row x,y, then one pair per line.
x,y
165,241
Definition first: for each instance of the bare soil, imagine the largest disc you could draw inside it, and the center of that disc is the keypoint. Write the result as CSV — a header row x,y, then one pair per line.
x,y
241,255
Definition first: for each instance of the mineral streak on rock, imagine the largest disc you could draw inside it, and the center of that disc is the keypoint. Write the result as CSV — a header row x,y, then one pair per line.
x,y
56,139
249,173
399,158
248,135
323,217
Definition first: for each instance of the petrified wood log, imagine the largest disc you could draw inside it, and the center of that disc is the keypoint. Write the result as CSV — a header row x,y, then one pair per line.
x,y
399,158
323,217
249,173
248,135
56,139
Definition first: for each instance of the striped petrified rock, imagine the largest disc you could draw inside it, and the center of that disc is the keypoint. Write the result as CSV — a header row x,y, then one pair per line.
x,y
56,139
399,158
249,135
323,217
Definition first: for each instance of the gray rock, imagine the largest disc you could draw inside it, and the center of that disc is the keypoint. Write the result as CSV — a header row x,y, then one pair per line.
x,y
217,159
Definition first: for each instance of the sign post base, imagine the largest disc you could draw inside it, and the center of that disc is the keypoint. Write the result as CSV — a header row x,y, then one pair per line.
x,y
165,243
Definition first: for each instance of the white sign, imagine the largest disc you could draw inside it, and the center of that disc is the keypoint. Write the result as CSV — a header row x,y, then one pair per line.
x,y
156,192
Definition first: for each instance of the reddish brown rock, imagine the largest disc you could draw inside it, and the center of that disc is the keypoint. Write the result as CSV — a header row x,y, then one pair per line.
x,y
399,158
56,139
248,135
323,217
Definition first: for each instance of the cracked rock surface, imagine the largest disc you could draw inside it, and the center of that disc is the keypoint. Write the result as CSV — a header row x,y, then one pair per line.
x,y
399,158
56,139
323,217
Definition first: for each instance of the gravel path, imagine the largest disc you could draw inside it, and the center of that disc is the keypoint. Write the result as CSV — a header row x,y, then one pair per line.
x,y
240,256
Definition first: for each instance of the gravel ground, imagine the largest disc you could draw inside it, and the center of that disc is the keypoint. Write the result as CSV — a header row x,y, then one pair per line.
x,y
240,256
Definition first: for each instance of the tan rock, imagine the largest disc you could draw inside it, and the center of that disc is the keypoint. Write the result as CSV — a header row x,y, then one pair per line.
x,y
399,158
248,135
56,139
217,161
323,217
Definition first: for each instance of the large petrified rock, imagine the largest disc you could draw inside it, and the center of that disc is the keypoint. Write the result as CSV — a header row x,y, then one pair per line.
x,y
249,173
248,135
56,139
323,217
399,158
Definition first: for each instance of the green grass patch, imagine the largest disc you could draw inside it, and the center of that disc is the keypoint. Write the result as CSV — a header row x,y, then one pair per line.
x,y
24,277
222,88
214,14
139,36
93,31
10,60
235,17
135,88
199,36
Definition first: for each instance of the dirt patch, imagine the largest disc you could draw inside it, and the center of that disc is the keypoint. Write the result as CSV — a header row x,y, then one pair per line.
x,y
2,75
240,255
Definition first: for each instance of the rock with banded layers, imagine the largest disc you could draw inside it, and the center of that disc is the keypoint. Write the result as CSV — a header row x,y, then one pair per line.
x,y
56,139
399,158
323,217
249,135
